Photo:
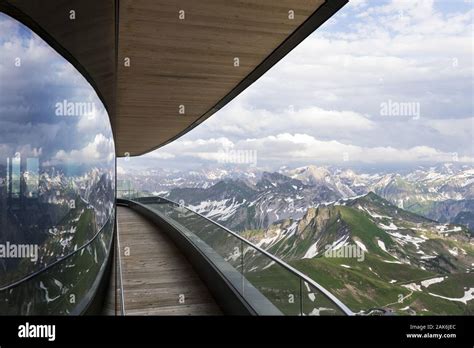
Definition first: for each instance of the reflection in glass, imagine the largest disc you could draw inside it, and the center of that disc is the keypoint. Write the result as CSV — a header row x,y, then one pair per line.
x,y
15,189
32,177
57,168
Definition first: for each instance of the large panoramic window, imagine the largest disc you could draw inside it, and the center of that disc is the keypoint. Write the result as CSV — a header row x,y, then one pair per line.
x,y
351,160
57,174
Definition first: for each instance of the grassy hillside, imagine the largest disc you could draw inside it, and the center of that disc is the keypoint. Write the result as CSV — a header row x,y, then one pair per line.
x,y
409,262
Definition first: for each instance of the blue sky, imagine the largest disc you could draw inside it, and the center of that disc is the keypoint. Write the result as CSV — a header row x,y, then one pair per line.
x,y
322,103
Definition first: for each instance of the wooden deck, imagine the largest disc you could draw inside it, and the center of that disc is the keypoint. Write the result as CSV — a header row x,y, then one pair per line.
x,y
157,278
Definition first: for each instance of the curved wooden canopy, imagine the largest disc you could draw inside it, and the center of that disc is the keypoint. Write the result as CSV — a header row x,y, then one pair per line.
x,y
161,67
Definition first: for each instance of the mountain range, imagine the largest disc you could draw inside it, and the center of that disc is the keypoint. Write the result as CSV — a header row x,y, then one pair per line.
x,y
444,193
411,233
372,254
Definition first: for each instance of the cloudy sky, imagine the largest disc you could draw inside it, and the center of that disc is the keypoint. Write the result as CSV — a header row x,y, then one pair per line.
x,y
33,80
324,102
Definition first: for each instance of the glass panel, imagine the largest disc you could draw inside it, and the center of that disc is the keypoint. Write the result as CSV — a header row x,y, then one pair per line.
x,y
268,286
32,177
64,288
125,190
57,177
316,303
273,281
15,189
224,249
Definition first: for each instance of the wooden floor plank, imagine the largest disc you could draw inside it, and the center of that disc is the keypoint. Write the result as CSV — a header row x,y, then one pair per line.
x,y
157,278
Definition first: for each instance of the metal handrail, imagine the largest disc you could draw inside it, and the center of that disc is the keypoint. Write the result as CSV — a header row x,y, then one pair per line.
x,y
289,268
55,262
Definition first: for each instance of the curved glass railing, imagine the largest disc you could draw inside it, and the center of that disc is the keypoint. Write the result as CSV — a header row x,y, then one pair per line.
x,y
269,285
57,198
66,286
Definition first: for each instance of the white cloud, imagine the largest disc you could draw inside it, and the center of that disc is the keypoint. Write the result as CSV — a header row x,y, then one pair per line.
x,y
121,170
359,3
100,150
94,121
30,93
460,128
159,155
297,148
242,121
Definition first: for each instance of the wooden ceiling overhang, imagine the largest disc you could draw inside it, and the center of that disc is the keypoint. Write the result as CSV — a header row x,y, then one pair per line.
x,y
162,67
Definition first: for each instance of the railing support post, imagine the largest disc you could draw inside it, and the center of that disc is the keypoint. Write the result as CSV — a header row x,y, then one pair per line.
x,y
301,296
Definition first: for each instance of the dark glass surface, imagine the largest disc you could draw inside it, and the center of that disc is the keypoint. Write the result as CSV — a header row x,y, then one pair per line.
x,y
57,178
